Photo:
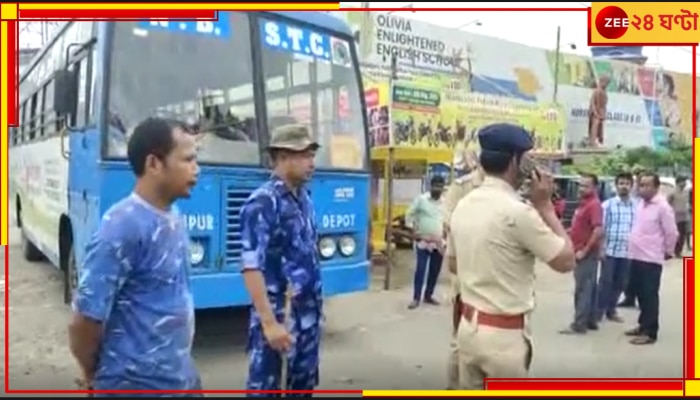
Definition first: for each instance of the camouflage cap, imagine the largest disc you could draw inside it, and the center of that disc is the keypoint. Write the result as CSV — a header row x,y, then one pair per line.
x,y
293,137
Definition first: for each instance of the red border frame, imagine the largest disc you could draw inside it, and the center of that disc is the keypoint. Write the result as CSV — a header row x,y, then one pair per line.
x,y
492,384
67,15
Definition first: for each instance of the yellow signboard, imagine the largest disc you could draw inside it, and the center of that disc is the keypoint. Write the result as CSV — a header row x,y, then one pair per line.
x,y
545,122
421,116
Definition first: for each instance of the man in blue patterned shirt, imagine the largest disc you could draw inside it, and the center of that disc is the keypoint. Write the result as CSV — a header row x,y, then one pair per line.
x,y
618,214
280,255
133,319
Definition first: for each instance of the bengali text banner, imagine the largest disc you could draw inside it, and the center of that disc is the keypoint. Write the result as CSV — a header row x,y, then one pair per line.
x,y
644,23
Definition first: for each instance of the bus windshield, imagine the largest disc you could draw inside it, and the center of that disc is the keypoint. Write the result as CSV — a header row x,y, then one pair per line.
x,y
311,78
202,72
184,70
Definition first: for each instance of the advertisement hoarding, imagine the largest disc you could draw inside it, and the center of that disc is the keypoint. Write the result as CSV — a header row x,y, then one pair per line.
x,y
646,106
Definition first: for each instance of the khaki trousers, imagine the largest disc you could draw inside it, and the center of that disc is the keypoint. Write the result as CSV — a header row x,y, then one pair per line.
x,y
489,352
453,358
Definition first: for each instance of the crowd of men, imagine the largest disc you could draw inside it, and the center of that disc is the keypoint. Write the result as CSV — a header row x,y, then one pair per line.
x,y
489,237
133,322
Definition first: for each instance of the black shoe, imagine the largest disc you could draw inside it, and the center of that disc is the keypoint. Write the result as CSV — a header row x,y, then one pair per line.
x,y
593,326
614,318
413,305
627,304
431,301
573,330
634,332
642,340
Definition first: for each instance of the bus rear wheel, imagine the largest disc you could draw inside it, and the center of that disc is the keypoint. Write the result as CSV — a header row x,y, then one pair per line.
x,y
70,278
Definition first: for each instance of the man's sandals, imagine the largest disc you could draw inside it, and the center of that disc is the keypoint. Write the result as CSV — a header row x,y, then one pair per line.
x,y
639,338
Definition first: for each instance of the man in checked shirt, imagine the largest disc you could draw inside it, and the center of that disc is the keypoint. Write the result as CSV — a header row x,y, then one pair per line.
x,y
618,214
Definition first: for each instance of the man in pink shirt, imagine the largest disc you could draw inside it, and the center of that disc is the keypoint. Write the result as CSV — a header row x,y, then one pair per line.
x,y
652,241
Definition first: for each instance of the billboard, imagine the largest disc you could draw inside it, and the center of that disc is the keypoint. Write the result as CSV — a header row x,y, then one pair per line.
x,y
424,117
646,107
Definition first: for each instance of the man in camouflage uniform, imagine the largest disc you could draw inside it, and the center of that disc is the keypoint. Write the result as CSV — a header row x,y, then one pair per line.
x,y
468,176
280,265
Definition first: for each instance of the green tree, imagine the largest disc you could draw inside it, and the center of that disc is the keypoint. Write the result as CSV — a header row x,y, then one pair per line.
x,y
676,158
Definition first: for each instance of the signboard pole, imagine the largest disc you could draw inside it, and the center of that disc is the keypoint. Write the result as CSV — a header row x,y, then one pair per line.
x,y
390,182
557,61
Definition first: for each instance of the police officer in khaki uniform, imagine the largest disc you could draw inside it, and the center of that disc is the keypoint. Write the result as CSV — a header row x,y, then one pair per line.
x,y
468,176
495,238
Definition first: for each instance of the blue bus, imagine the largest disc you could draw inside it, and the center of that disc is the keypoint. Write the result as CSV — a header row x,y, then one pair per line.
x,y
235,79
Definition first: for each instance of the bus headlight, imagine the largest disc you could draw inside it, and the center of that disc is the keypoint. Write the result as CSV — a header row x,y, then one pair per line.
x,y
196,253
326,247
347,246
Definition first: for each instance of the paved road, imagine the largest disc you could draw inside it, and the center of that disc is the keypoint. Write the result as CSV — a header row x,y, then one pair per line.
x,y
372,341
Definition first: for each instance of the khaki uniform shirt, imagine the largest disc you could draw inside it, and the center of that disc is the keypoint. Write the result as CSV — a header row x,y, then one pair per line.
x,y
455,192
496,238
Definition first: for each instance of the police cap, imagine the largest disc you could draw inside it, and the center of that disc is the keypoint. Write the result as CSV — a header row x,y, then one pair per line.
x,y
505,138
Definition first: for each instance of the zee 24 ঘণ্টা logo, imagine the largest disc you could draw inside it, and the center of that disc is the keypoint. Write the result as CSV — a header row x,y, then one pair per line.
x,y
613,22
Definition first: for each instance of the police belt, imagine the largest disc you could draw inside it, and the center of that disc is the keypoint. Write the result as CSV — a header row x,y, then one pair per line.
x,y
494,320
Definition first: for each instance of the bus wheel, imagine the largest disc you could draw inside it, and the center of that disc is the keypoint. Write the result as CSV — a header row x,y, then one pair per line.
x,y
70,278
29,251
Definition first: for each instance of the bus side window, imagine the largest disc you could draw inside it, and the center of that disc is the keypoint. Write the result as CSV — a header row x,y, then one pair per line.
x,y
50,115
33,116
83,110
16,137
22,121
41,96
13,136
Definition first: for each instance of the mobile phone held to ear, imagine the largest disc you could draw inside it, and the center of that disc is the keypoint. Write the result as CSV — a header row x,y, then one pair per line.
x,y
528,165
537,174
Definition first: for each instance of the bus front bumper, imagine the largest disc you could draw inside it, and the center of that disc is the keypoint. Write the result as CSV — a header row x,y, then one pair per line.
x,y
226,289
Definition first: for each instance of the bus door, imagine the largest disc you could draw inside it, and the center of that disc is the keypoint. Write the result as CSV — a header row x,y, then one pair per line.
x,y
80,139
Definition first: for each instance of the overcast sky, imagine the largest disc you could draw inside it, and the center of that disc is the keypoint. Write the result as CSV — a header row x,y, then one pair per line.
x,y
534,29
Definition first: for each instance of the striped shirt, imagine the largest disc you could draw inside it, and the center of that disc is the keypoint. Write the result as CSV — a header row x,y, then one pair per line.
x,y
618,215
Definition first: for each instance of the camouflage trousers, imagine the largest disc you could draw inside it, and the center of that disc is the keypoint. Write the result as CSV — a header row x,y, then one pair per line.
x,y
265,364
